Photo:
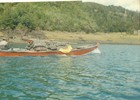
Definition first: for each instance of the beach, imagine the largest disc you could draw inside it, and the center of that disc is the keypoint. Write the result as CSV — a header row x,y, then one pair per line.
x,y
109,38
104,38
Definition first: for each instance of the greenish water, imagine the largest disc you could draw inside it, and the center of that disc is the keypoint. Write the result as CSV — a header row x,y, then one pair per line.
x,y
112,75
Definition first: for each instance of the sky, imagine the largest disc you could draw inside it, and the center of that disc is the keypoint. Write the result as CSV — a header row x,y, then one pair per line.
x,y
128,4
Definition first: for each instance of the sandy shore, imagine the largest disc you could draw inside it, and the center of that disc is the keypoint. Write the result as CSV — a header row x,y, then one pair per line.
x,y
111,38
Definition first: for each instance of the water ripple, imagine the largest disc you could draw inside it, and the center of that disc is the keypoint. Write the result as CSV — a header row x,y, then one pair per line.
x,y
111,75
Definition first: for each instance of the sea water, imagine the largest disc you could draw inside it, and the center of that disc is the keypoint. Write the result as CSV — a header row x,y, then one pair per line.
x,y
113,74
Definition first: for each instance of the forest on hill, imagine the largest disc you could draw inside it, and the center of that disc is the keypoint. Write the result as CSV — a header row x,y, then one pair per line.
x,y
68,16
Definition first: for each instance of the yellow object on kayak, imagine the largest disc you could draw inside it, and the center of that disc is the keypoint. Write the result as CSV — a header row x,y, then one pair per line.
x,y
66,49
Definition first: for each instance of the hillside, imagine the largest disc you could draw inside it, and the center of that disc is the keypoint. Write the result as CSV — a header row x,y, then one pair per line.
x,y
68,16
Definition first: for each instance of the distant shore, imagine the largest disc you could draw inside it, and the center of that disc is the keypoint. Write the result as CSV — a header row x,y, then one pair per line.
x,y
104,38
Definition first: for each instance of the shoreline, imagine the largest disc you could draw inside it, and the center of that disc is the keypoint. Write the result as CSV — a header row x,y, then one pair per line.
x,y
103,38
81,37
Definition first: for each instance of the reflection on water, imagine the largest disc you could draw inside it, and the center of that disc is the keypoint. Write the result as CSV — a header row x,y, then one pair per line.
x,y
111,75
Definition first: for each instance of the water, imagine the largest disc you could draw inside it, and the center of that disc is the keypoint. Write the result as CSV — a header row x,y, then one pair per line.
x,y
112,75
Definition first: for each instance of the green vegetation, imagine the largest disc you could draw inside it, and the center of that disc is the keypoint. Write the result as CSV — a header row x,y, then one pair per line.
x,y
67,16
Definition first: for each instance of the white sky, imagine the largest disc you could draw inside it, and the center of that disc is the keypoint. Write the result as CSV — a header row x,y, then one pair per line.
x,y
128,4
